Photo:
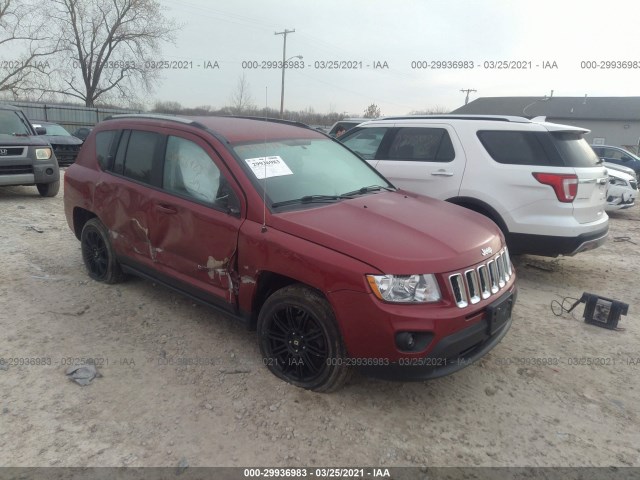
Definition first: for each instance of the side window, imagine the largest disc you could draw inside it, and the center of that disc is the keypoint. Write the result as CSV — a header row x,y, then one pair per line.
x,y
190,171
365,141
614,154
422,144
517,148
104,148
138,161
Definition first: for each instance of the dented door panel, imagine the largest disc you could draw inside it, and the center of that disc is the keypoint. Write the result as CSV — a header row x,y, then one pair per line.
x,y
196,244
125,209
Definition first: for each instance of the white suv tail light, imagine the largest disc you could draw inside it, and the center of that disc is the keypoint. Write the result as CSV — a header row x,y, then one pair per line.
x,y
565,185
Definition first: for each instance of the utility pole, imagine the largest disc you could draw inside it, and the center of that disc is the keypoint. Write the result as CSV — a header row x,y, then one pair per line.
x,y
284,60
468,90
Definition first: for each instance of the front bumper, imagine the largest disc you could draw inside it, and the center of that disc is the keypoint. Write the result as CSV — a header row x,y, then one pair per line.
x,y
456,337
621,199
451,354
25,171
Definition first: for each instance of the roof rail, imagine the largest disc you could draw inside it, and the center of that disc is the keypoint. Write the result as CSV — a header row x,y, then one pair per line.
x,y
495,118
151,116
186,120
157,116
269,119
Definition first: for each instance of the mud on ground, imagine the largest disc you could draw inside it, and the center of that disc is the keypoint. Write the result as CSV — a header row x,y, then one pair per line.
x,y
555,391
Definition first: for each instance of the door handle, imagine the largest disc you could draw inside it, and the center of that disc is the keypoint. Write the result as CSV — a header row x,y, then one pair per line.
x,y
442,173
168,209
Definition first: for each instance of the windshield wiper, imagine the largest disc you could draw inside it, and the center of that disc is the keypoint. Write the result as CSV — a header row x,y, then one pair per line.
x,y
308,199
363,190
331,198
26,126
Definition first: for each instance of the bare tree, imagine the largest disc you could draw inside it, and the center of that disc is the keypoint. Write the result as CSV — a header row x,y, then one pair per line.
x,y
438,109
110,48
241,99
31,41
167,107
372,111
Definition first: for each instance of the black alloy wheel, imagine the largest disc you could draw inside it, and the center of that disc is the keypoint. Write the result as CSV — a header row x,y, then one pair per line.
x,y
98,254
300,341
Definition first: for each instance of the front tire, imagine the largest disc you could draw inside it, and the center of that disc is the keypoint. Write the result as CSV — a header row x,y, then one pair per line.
x,y
98,254
48,189
300,341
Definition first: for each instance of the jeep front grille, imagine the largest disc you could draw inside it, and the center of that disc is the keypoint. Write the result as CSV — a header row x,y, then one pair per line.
x,y
473,285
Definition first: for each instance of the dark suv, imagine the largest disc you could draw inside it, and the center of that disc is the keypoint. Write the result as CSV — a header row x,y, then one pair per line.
x,y
65,146
288,231
26,159
619,156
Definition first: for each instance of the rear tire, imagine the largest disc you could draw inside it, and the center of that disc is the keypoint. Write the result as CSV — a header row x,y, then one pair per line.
x,y
300,341
98,254
48,189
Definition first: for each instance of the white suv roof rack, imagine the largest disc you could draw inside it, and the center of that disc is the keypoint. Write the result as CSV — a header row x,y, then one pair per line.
x,y
496,118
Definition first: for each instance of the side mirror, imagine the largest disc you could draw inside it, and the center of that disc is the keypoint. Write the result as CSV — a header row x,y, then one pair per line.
x,y
41,130
624,158
226,198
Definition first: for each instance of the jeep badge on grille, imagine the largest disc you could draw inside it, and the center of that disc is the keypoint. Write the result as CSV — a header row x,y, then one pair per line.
x,y
487,251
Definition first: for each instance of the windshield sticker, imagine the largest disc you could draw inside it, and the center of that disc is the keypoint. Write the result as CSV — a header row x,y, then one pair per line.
x,y
265,167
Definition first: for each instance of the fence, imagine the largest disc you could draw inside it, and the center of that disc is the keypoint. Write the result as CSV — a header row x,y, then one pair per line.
x,y
70,117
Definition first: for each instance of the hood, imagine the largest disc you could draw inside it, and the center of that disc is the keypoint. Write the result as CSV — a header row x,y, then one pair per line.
x,y
620,174
396,232
62,139
618,169
12,140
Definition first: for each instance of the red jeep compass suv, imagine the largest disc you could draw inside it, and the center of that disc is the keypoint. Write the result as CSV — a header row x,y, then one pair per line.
x,y
285,229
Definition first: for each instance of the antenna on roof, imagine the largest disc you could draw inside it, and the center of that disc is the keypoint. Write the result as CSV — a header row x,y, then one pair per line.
x,y
264,179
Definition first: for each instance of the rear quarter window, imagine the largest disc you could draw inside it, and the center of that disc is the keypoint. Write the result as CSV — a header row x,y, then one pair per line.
x,y
104,148
138,161
574,150
520,148
557,149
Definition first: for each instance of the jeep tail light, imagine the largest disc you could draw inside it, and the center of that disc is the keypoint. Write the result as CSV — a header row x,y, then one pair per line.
x,y
565,186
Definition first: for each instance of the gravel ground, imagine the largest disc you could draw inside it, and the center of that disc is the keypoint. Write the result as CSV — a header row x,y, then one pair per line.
x,y
555,392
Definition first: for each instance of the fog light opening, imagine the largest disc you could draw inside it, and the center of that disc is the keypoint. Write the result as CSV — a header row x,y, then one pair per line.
x,y
405,341
49,171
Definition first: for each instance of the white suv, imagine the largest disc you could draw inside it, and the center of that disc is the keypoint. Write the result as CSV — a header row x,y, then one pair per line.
x,y
541,183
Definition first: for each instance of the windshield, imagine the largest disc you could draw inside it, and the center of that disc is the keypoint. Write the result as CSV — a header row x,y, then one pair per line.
x,y
56,130
12,124
307,168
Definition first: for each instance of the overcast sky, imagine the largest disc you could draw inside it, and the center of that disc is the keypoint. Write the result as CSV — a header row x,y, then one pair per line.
x,y
399,32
